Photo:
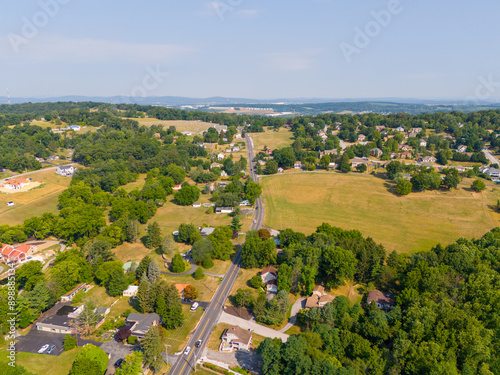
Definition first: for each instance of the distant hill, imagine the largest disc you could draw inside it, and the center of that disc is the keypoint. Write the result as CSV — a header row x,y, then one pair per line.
x,y
298,106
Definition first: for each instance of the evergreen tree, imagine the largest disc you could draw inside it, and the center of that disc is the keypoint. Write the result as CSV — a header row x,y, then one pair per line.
x,y
153,272
151,345
117,283
154,234
143,266
143,296
132,231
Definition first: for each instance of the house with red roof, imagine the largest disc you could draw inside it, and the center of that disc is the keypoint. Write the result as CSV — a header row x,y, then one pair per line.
x,y
16,183
21,253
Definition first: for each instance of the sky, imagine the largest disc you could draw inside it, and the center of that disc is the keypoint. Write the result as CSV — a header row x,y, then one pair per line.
x,y
261,49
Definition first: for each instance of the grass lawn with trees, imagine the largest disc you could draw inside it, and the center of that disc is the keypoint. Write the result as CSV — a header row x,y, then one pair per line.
x,y
36,201
272,139
46,364
303,201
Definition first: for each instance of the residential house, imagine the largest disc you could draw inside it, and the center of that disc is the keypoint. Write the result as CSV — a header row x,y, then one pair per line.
x,y
262,163
228,150
269,276
66,170
236,149
220,156
16,183
141,323
318,298
235,338
376,152
383,301
462,149
297,164
18,254
219,128
180,288
327,152
76,128
205,232
358,161
405,155
177,187
428,159
237,136
196,205
53,157
423,143
406,148
224,210
492,172
223,174
245,202
414,131
379,128
216,165
361,137
280,170
332,165
69,296
131,291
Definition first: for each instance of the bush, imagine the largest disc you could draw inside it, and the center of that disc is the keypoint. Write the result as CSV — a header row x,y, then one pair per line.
x,y
69,342
132,340
240,369
478,186
256,282
218,369
178,265
198,274
207,262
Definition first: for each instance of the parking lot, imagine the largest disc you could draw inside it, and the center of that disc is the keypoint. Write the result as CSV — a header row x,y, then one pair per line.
x,y
35,339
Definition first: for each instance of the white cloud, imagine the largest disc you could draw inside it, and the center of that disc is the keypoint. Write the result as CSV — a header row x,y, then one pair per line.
x,y
247,12
59,48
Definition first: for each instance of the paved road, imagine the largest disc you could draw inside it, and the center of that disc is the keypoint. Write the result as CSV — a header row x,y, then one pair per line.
x,y
185,363
490,157
253,326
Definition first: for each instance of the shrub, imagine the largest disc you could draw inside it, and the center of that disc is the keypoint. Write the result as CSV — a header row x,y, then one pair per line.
x,y
69,342
178,265
132,340
198,274
256,282
207,262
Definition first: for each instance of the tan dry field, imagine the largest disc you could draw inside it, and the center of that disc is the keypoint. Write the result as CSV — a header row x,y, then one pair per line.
x,y
180,125
303,201
272,139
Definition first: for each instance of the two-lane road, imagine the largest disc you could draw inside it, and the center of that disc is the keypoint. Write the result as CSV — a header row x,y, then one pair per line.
x,y
185,363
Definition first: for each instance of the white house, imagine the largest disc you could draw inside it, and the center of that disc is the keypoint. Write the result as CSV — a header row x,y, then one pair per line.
x,y
76,128
235,338
423,143
65,170
196,204
220,156
269,276
462,149
224,210
17,183
236,149
131,291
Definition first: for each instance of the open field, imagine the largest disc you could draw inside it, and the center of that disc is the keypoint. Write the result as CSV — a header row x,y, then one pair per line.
x,y
45,364
180,125
36,201
272,139
303,201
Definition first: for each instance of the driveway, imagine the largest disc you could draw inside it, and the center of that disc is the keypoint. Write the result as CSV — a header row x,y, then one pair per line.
x,y
35,339
243,358
116,350
252,325
297,306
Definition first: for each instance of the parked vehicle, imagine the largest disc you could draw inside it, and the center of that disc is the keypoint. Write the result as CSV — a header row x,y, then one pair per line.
x,y
51,349
194,306
119,362
43,348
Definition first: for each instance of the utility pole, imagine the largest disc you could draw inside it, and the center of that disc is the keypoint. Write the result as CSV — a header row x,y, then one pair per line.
x,y
166,353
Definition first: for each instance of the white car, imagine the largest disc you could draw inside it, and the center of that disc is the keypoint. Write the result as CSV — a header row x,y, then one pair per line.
x,y
194,306
188,349
43,348
255,221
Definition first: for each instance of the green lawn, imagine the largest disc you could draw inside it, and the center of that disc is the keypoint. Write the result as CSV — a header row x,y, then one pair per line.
x,y
178,338
42,364
272,139
303,201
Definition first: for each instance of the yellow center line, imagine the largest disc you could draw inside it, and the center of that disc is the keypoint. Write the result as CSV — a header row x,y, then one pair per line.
x,y
208,320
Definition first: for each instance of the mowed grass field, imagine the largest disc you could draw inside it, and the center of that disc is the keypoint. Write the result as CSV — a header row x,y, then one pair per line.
x,y
272,139
180,125
36,201
303,201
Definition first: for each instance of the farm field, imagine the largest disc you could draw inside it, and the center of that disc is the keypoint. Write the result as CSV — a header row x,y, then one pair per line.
x,y
303,201
180,125
33,202
272,139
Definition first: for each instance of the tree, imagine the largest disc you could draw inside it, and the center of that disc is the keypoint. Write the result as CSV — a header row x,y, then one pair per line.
x,y
143,266
187,195
98,252
361,168
403,187
256,282
285,278
190,292
92,360
198,274
88,318
132,231
222,247
169,307
201,248
153,272
123,333
178,265
29,274
253,190
337,264
271,167
442,157
69,342
235,224
145,304
325,161
167,245
154,234
117,283
345,163
151,345
188,233
132,364
393,168
478,186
